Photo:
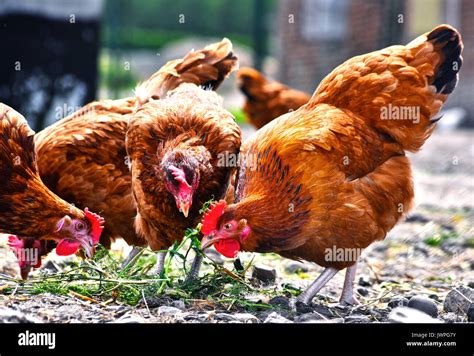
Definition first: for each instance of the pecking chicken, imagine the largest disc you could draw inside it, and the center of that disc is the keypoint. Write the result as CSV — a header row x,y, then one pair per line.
x,y
28,208
83,159
178,146
324,182
267,99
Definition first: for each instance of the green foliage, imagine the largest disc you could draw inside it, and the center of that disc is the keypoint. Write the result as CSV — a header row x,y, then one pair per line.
x,y
151,24
239,116
440,237
103,280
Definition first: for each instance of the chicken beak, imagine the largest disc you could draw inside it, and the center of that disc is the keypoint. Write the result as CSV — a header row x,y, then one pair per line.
x,y
25,271
184,207
88,247
207,241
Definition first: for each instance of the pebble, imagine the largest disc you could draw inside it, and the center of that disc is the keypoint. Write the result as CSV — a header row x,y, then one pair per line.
x,y
459,300
238,265
295,267
397,301
244,318
310,318
357,319
129,319
424,304
409,315
363,291
451,317
470,313
264,275
275,318
179,304
165,310
364,281
451,247
10,316
280,301
417,217
302,308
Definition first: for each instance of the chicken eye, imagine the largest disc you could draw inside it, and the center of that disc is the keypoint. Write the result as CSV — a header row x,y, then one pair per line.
x,y
80,226
227,226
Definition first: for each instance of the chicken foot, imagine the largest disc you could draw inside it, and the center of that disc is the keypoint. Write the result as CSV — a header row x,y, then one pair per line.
x,y
347,295
319,283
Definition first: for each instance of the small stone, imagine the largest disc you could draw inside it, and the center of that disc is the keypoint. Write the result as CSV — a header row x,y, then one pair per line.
x,y
470,313
459,300
129,319
275,318
280,301
302,308
417,217
357,319
409,315
165,310
179,304
424,304
397,301
364,281
451,317
363,291
295,267
471,284
264,275
310,318
238,265
245,318
10,316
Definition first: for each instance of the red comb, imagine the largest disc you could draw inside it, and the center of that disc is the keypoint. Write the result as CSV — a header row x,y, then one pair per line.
x,y
178,174
15,243
209,221
97,223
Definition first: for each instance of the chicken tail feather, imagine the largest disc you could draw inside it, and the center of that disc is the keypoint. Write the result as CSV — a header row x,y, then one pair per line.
x,y
17,147
398,90
207,67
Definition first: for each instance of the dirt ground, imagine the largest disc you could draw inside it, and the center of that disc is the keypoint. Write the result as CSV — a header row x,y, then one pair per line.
x,y
426,262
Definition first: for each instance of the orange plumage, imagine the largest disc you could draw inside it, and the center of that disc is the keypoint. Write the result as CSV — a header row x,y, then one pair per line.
x,y
28,208
333,175
83,157
267,99
175,145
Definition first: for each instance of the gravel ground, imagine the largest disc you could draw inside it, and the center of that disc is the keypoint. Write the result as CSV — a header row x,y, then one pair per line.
x,y
421,272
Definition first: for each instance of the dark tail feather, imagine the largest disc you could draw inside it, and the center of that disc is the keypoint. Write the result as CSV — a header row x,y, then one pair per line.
x,y
449,43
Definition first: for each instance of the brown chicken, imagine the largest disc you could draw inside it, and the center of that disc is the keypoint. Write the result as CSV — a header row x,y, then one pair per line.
x,y
267,99
178,147
82,158
323,182
28,208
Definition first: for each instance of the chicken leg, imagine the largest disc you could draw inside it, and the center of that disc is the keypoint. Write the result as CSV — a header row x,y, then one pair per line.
x,y
160,263
195,267
130,257
319,283
347,295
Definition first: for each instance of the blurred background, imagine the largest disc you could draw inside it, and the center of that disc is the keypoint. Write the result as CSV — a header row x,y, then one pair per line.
x,y
57,55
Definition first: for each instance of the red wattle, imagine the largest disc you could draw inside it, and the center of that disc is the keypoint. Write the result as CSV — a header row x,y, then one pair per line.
x,y
67,247
228,248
